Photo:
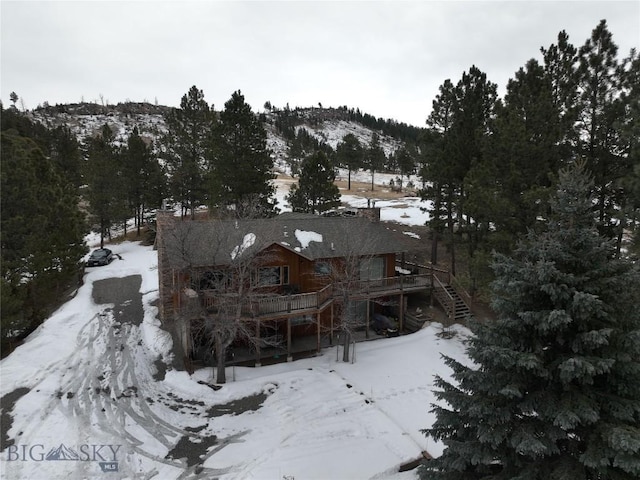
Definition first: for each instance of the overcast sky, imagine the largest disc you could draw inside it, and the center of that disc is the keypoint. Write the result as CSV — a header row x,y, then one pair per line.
x,y
386,58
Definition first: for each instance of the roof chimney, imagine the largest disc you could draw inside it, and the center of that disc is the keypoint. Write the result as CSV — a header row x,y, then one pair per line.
x,y
372,213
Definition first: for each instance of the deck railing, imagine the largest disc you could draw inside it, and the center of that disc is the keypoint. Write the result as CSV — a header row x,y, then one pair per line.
x,y
325,295
444,296
392,284
268,305
455,283
285,303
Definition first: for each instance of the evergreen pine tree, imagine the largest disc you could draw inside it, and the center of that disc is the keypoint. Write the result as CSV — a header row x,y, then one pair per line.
x,y
598,123
375,157
187,149
106,192
241,172
554,388
474,110
66,153
630,137
350,155
405,159
560,68
525,149
315,191
439,183
142,175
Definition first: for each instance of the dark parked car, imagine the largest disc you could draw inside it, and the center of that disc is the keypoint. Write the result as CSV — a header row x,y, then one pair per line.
x,y
384,325
101,256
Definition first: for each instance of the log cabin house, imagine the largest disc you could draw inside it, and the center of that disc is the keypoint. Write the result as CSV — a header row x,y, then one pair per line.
x,y
296,266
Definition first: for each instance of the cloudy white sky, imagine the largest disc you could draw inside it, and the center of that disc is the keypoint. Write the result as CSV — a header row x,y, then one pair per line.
x,y
386,58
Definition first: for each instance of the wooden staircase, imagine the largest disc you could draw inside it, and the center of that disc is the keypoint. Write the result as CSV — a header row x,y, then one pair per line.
x,y
452,303
446,290
452,300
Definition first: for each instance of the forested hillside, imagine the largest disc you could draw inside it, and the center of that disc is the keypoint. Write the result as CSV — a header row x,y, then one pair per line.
x,y
290,132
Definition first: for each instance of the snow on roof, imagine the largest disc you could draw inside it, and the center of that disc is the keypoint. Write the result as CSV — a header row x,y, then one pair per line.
x,y
219,242
307,237
248,240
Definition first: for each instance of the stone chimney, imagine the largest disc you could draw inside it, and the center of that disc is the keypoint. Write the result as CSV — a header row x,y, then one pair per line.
x,y
372,213
165,220
165,217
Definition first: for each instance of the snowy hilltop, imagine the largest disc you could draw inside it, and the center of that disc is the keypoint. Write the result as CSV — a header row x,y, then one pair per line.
x,y
326,125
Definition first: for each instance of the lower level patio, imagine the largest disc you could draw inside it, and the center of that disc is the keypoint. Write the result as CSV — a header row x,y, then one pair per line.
x,y
274,349
301,347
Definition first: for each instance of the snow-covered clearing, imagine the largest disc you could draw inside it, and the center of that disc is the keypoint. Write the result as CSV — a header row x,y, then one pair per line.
x,y
404,210
89,386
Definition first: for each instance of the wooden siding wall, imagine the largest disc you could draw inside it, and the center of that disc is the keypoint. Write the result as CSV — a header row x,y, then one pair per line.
x,y
309,280
279,257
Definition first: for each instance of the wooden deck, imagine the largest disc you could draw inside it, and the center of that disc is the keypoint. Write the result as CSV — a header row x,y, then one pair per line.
x,y
282,346
274,306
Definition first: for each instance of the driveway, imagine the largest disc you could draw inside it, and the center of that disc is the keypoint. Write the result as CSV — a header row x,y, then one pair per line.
x,y
110,401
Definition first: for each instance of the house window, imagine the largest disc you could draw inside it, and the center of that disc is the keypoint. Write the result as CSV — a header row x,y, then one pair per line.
x,y
372,268
273,276
213,280
321,268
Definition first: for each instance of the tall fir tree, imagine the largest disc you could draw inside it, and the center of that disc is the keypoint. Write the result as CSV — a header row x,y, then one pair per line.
x,y
553,391
241,174
315,191
187,149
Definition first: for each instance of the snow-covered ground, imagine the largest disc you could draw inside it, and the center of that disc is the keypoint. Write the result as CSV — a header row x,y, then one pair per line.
x,y
405,210
88,387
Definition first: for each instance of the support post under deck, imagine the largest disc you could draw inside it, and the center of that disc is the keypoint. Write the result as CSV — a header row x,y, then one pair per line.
x,y
289,356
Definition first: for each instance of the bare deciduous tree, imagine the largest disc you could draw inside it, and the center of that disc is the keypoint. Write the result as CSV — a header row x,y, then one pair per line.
x,y
349,276
220,293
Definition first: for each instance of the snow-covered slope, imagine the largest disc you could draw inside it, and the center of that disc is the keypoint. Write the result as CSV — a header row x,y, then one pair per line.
x,y
333,131
86,120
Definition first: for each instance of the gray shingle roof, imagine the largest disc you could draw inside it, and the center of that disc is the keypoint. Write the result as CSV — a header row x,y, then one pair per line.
x,y
219,242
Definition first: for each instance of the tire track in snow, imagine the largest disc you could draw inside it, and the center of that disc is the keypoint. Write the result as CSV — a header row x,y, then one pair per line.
x,y
101,398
